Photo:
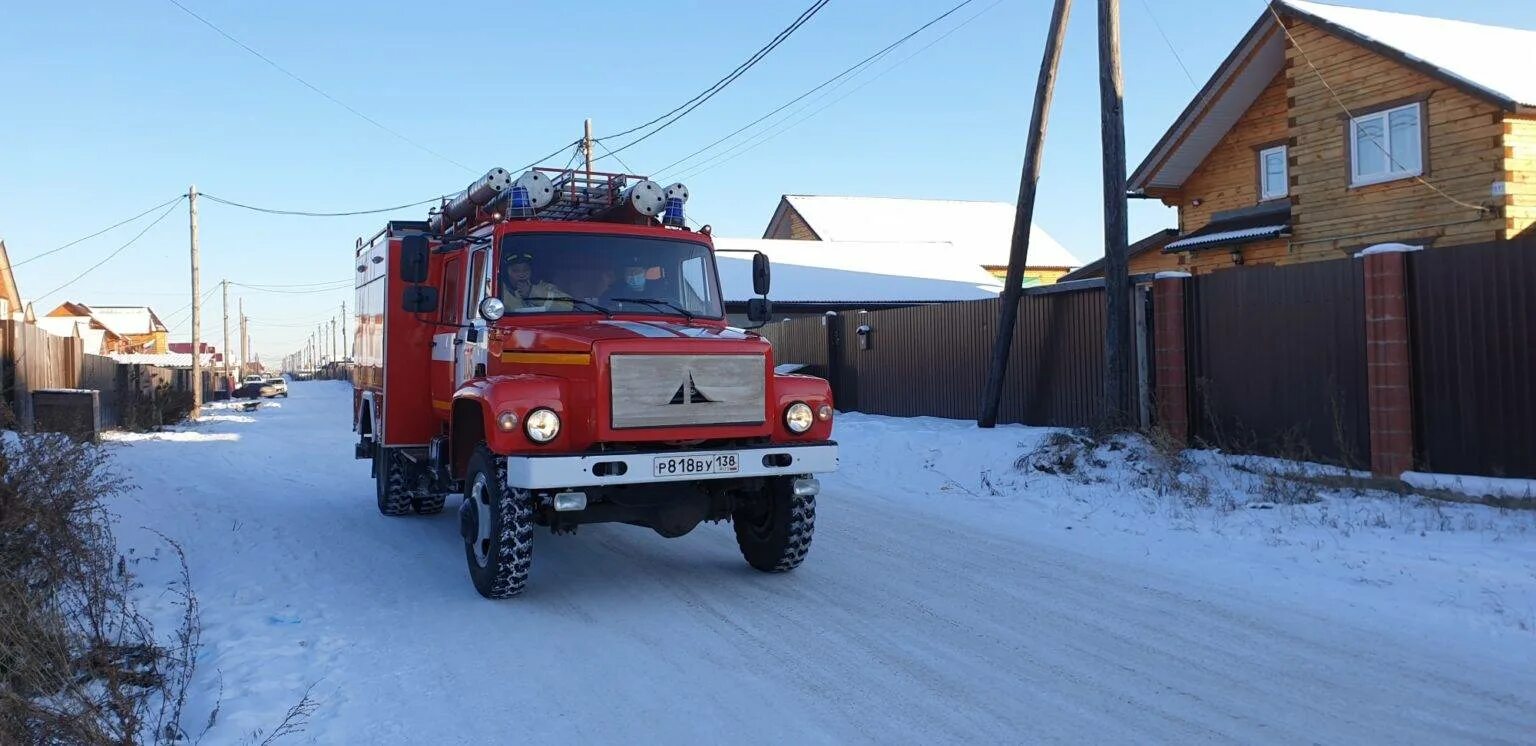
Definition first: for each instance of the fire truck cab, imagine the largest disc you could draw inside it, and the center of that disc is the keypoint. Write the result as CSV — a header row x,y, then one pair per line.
x,y
555,348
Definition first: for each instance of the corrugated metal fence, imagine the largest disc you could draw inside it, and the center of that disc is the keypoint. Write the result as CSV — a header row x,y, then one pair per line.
x,y
1473,315
931,360
1278,360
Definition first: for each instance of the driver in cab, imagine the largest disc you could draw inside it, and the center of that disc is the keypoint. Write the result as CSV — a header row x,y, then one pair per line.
x,y
522,291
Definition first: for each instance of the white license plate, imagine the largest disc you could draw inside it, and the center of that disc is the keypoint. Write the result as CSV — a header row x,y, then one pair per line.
x,y
699,463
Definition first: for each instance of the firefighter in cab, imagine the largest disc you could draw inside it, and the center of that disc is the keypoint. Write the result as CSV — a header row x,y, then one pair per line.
x,y
522,291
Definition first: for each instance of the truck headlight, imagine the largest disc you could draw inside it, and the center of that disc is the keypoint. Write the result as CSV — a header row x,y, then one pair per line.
x,y
542,425
798,417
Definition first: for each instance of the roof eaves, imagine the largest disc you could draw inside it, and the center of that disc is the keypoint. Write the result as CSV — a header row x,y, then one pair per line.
x,y
1202,101
1398,55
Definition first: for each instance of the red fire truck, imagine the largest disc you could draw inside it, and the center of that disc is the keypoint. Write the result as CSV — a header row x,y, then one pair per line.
x,y
555,348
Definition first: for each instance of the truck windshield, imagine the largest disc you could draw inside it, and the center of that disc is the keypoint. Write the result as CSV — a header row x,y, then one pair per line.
x,y
545,272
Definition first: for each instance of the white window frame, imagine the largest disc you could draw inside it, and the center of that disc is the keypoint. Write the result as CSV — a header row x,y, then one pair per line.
x,y
1355,177
1285,174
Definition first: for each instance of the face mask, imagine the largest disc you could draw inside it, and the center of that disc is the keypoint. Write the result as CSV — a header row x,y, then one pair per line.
x,y
635,282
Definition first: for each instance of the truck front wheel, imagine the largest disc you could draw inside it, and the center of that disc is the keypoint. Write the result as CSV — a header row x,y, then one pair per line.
x,y
774,527
496,522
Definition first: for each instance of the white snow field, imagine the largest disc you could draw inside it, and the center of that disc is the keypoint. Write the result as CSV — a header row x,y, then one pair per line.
x,y
948,597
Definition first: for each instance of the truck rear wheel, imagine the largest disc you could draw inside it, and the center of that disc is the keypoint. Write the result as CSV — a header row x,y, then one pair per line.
x,y
389,473
774,529
496,522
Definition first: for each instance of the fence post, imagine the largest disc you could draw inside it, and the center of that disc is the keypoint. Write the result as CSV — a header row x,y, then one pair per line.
x,y
1389,366
1170,353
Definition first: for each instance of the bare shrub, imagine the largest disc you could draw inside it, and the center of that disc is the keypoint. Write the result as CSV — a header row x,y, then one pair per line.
x,y
78,662
1064,454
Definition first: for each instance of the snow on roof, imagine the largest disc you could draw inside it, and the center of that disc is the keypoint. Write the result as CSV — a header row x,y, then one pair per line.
x,y
981,231
1496,59
128,319
163,360
855,271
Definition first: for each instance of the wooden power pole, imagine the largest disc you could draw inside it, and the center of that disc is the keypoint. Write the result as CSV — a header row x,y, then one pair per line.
x,y
1117,280
241,371
586,146
344,354
1023,215
225,348
197,309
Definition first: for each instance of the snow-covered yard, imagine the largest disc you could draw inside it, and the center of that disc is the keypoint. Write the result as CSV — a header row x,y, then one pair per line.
x,y
1011,585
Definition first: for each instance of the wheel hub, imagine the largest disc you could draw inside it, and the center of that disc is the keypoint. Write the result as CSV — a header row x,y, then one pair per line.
x,y
475,521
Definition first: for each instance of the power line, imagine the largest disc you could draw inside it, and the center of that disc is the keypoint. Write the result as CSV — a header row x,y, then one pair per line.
x,y
604,146
855,66
258,289
297,285
187,308
1177,58
711,92
734,74
116,251
178,198
1340,102
316,89
769,134
309,214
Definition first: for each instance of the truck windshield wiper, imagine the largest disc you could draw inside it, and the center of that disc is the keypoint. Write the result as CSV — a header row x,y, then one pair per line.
x,y
654,302
587,303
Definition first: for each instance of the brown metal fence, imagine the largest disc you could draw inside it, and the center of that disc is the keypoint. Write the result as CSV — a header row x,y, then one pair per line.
x,y
106,376
1278,360
932,360
1473,329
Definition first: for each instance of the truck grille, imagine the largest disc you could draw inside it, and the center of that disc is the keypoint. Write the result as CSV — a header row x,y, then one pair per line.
x,y
672,390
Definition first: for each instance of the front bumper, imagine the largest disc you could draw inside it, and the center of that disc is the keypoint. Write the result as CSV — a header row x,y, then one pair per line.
x,y
561,472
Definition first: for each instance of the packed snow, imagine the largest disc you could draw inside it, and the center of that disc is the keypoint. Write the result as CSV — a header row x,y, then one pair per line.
x,y
1007,585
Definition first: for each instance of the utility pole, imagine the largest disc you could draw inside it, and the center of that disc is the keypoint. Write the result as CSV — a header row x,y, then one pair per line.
x,y
586,146
1117,280
344,354
197,310
1024,215
241,371
225,348
335,340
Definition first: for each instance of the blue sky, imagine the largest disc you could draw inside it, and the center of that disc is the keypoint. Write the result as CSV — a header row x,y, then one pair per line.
x,y
108,108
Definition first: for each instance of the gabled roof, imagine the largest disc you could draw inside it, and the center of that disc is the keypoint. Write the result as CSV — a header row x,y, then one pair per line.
x,y
854,272
8,290
1491,62
979,231
123,320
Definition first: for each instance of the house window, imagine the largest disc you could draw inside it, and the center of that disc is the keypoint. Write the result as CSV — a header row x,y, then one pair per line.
x,y
1386,145
1274,178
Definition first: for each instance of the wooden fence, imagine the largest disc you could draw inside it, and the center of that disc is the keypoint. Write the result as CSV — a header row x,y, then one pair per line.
x,y
31,359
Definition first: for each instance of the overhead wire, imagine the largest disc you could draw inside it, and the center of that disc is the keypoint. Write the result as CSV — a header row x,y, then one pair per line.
x,y
311,214
316,89
1342,107
769,134
1176,56
829,81
711,93
118,250
731,77
118,224
258,289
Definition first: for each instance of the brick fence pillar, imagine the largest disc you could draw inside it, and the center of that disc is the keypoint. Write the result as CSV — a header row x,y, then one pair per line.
x,y
1388,363
1169,355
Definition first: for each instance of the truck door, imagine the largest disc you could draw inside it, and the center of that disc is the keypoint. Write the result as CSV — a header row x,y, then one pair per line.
x,y
470,360
448,336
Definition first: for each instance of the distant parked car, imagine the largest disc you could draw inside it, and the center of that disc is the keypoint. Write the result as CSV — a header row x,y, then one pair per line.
x,y
256,386
279,386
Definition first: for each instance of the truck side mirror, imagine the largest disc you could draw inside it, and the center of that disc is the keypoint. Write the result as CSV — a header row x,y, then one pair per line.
x,y
759,310
419,299
413,259
760,274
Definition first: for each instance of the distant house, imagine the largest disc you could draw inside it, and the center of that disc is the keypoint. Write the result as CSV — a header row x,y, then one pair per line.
x,y
10,296
981,232
139,325
185,348
812,278
95,337
1329,129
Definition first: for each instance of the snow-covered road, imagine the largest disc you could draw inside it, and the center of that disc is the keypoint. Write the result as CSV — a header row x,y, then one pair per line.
x,y
922,614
